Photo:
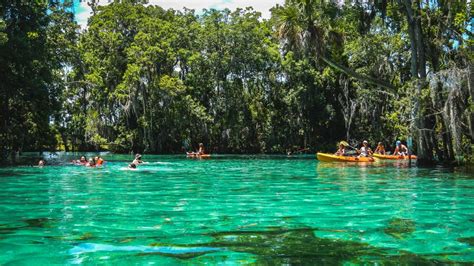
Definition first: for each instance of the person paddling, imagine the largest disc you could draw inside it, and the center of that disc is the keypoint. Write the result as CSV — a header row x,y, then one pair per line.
x,y
380,149
400,149
342,150
201,149
365,150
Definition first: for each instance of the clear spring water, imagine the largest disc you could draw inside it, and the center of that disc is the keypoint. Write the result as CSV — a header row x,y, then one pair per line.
x,y
234,210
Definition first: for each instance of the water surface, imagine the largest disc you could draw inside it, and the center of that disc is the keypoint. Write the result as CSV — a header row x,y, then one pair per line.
x,y
234,210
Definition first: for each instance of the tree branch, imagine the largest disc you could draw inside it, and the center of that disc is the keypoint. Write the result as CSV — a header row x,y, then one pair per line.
x,y
360,77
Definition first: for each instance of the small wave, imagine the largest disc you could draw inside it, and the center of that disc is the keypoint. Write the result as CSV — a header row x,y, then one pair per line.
x,y
92,247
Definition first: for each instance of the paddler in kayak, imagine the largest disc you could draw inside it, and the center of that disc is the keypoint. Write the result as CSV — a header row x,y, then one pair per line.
x,y
365,150
342,149
400,149
201,149
380,149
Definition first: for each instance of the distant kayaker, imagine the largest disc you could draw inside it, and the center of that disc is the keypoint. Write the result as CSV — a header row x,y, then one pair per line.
x,y
201,149
342,150
365,150
400,149
380,149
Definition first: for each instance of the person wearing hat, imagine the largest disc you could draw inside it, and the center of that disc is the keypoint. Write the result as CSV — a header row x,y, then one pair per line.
x,y
138,159
400,149
365,150
342,149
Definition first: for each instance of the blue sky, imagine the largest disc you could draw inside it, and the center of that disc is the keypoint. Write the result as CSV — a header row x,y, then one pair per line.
x,y
82,10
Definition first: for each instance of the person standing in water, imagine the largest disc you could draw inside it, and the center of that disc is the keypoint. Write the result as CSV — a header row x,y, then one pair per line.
x,y
91,163
136,161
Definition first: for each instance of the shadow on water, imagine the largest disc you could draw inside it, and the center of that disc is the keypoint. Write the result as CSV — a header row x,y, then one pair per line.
x,y
26,224
301,246
467,240
298,246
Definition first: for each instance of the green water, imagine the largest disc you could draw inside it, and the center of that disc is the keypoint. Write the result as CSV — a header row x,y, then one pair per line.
x,y
234,210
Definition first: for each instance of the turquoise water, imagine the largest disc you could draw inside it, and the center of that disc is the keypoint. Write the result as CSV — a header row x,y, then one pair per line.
x,y
234,210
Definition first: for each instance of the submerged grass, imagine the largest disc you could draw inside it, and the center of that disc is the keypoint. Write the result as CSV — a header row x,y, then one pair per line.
x,y
400,228
301,246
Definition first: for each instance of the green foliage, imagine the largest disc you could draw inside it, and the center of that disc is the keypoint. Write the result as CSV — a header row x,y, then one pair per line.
x,y
141,78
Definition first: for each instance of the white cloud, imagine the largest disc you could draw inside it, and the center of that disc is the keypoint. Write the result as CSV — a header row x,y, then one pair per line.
x,y
262,6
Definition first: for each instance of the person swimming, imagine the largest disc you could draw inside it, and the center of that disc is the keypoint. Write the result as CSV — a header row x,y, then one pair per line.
x,y
98,161
41,163
81,161
91,163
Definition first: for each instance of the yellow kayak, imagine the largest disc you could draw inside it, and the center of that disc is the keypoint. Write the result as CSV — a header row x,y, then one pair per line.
x,y
394,157
326,157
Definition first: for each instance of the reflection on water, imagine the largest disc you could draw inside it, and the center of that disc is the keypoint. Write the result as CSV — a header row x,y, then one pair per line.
x,y
269,210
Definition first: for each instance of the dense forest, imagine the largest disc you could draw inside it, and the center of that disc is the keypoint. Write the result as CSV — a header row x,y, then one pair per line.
x,y
144,79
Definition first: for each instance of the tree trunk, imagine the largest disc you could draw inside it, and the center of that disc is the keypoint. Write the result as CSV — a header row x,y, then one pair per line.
x,y
421,127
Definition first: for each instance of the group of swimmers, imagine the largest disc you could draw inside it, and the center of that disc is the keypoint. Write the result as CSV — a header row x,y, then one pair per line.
x,y
366,151
92,162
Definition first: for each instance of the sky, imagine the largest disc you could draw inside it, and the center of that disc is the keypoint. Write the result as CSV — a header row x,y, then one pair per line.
x,y
83,11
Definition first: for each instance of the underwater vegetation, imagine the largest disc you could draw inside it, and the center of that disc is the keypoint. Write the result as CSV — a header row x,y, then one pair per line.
x,y
467,240
400,228
301,246
26,224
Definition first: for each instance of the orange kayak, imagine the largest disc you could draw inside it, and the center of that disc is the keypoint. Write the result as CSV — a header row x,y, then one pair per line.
x,y
195,155
326,157
394,157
